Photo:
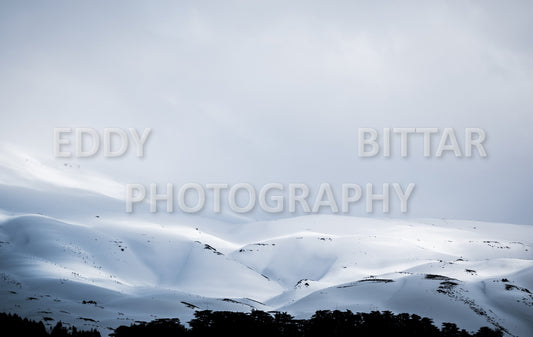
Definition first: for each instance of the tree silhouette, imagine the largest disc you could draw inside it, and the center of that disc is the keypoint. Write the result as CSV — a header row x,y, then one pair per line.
x,y
261,324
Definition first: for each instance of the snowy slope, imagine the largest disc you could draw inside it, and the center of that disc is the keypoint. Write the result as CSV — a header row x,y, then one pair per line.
x,y
83,262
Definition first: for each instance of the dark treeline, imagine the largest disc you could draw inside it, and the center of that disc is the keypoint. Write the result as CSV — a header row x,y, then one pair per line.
x,y
322,323
12,325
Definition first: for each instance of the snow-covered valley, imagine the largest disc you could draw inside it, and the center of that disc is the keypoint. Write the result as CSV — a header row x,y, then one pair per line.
x,y
83,264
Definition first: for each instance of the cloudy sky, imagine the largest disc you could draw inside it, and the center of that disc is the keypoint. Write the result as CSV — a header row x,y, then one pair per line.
x,y
272,91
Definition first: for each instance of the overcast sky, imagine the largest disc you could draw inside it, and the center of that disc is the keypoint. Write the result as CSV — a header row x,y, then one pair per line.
x,y
247,91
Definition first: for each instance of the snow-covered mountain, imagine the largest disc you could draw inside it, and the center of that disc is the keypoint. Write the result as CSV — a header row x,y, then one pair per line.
x,y
67,254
